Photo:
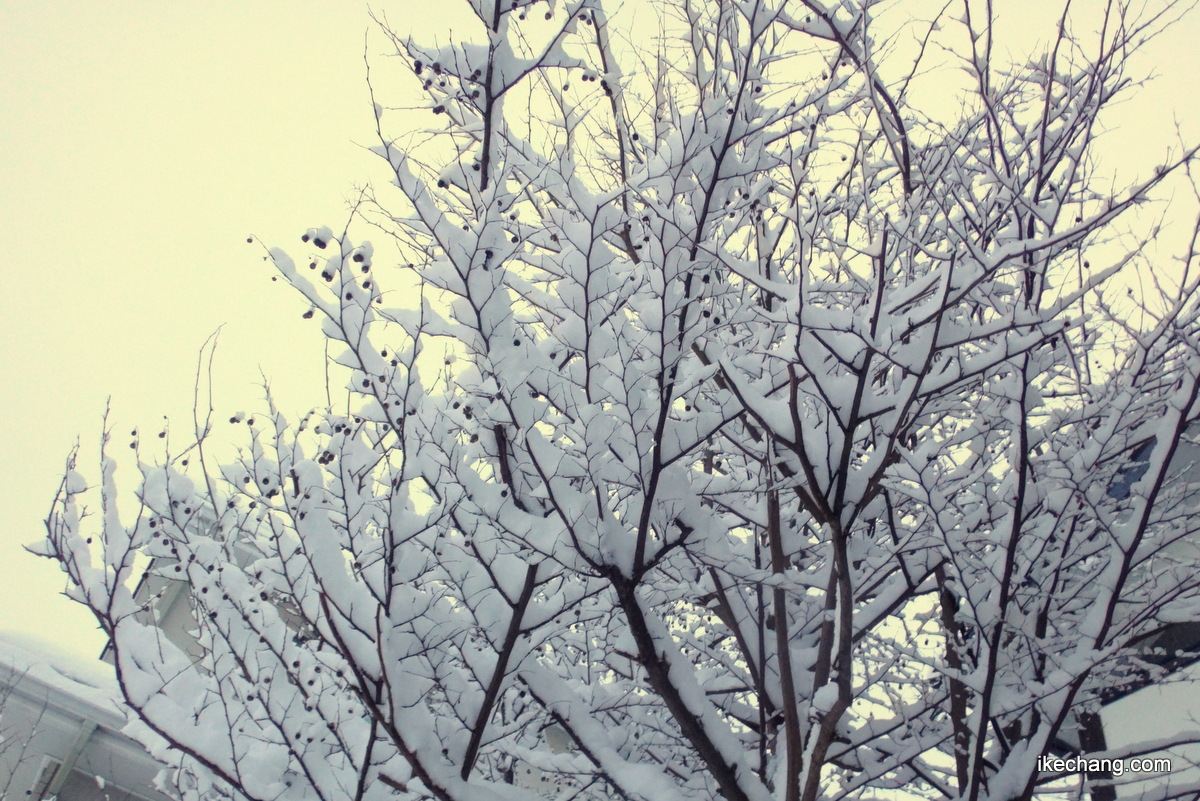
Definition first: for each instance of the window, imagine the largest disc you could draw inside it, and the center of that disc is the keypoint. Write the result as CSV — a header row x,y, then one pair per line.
x,y
76,786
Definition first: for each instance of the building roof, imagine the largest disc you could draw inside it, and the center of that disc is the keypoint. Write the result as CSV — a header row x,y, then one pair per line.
x,y
75,679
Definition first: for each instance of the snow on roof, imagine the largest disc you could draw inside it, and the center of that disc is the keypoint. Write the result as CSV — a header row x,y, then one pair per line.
x,y
86,679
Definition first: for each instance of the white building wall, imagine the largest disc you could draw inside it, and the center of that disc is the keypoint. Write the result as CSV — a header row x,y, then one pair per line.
x,y
60,731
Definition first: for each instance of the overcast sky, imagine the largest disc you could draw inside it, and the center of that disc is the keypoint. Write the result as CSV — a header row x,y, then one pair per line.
x,y
140,144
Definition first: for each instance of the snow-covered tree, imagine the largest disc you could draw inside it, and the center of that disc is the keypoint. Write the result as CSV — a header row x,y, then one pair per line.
x,y
769,421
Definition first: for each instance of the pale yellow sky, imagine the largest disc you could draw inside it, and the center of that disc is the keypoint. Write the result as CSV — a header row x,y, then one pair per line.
x,y
141,142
